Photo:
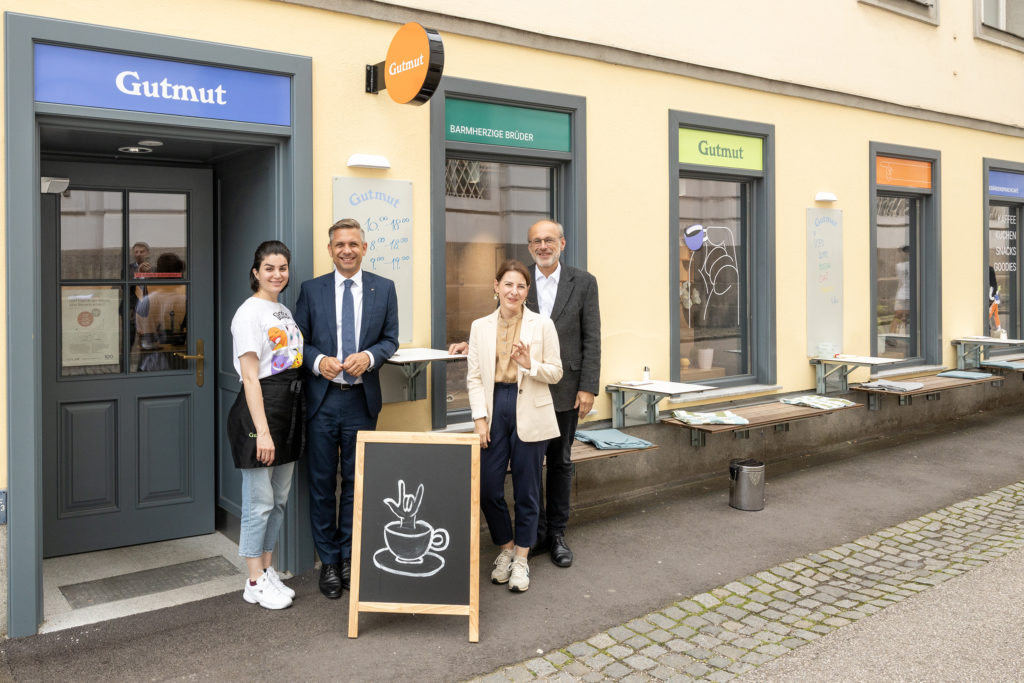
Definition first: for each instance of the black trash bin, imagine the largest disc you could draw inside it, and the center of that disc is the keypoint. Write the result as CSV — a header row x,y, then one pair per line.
x,y
746,484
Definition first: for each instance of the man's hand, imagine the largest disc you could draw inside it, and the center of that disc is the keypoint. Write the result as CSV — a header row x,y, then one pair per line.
x,y
330,367
356,364
584,402
458,348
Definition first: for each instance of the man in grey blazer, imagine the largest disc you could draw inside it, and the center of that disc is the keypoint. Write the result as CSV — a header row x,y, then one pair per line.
x,y
569,297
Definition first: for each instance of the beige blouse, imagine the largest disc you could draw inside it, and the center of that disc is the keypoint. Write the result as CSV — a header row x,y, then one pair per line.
x,y
506,369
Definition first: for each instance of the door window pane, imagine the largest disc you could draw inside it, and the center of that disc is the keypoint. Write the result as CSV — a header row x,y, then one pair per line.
x,y
1002,269
90,330
161,324
713,339
898,312
489,207
157,226
90,235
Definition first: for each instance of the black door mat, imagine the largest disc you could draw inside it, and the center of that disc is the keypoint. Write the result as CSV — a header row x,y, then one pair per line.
x,y
146,582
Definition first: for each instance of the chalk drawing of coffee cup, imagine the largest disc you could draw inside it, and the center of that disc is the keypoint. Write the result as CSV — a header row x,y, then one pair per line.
x,y
410,545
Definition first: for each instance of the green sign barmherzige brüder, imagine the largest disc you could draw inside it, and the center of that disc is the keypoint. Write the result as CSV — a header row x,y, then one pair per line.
x,y
502,124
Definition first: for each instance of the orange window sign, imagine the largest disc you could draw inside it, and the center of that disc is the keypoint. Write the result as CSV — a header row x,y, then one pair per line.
x,y
903,172
412,67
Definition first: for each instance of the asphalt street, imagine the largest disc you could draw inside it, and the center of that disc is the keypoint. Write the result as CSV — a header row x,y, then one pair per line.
x,y
633,559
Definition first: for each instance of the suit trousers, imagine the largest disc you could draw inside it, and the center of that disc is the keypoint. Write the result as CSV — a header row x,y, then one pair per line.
x,y
526,458
554,511
334,427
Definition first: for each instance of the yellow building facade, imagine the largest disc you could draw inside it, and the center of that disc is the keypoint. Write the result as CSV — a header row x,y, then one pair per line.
x,y
693,149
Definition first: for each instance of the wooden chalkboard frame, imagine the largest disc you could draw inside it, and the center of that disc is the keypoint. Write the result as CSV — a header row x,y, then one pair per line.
x,y
472,609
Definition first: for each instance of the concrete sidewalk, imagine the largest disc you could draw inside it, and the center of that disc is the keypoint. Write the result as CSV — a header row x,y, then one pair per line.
x,y
637,559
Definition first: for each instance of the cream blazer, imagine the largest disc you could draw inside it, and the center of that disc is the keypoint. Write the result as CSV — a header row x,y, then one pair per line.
x,y
535,412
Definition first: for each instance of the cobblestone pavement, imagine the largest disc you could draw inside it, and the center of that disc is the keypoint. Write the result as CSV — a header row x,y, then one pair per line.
x,y
735,628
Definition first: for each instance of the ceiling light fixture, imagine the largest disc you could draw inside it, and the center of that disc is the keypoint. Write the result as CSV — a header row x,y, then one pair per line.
x,y
150,143
133,149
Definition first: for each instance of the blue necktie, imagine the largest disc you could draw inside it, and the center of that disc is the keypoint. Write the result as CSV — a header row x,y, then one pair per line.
x,y
348,328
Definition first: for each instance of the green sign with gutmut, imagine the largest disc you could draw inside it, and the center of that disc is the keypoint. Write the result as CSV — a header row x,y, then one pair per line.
x,y
501,124
708,148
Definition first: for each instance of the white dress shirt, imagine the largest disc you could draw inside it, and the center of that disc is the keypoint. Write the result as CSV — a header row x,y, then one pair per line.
x,y
547,288
357,314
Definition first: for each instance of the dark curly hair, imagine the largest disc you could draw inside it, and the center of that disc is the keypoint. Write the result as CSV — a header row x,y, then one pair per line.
x,y
268,248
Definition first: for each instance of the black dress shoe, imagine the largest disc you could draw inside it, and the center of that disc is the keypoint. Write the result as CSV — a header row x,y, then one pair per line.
x,y
560,553
542,546
330,581
346,573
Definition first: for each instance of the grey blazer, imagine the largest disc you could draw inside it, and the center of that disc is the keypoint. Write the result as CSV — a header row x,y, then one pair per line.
x,y
577,318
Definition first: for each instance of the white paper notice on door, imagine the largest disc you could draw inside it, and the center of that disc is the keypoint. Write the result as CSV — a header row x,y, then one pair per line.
x,y
384,209
90,326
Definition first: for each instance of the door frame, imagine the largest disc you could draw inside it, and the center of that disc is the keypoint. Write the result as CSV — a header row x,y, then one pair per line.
x,y
23,223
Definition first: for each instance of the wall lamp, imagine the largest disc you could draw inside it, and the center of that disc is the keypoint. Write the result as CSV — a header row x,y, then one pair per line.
x,y
368,161
821,196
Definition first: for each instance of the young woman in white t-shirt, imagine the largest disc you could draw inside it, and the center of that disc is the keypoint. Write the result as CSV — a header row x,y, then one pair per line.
x,y
266,425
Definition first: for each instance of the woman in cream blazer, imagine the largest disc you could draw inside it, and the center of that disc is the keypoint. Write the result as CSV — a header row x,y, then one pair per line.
x,y
513,357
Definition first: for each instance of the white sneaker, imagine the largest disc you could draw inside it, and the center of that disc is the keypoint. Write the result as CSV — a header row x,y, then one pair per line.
x,y
278,584
502,567
519,579
265,594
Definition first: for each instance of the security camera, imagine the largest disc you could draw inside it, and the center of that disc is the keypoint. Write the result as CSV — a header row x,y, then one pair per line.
x,y
48,185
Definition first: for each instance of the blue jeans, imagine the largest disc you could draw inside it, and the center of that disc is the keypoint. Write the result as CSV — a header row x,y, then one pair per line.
x,y
264,493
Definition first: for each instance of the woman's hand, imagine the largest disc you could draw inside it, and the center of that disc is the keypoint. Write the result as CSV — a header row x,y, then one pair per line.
x,y
521,354
480,427
265,449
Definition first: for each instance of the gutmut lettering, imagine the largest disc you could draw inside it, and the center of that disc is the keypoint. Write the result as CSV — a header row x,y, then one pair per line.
x,y
130,83
718,151
395,68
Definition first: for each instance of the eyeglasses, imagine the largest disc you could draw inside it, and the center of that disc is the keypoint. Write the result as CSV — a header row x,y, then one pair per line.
x,y
546,241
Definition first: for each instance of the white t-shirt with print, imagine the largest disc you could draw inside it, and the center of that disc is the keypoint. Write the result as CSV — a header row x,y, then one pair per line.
x,y
267,329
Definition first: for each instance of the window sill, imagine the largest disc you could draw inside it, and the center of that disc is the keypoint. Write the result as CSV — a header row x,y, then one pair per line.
x,y
730,393
909,370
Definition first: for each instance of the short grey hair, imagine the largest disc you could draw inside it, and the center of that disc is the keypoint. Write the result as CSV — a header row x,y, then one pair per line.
x,y
561,230
345,224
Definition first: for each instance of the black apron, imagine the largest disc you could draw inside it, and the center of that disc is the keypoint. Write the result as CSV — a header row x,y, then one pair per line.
x,y
284,403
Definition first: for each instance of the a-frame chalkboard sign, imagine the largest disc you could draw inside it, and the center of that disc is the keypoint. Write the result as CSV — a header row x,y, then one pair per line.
x,y
416,526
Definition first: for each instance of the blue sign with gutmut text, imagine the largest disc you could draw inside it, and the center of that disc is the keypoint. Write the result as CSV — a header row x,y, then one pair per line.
x,y
1005,184
91,78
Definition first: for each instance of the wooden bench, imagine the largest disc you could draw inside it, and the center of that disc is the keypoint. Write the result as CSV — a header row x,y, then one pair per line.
x,y
775,414
933,386
582,451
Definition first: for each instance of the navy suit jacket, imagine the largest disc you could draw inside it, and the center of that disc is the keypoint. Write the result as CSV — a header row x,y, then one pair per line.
x,y
316,316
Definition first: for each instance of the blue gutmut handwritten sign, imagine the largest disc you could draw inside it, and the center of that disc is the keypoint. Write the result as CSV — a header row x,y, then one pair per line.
x,y
384,208
90,78
1004,184
824,281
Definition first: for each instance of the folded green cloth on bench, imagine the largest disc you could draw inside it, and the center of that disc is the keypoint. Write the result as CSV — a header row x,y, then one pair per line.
x,y
1009,364
722,417
965,374
611,439
815,401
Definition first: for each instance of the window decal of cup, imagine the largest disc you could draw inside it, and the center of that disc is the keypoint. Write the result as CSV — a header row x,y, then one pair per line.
x,y
412,546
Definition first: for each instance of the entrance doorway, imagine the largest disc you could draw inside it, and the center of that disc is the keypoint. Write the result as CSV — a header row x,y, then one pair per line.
x,y
128,325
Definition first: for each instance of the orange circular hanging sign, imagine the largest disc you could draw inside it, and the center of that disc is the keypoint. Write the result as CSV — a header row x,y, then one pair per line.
x,y
413,66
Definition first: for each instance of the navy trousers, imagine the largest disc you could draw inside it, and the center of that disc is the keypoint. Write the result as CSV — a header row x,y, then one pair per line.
x,y
334,427
526,458
554,513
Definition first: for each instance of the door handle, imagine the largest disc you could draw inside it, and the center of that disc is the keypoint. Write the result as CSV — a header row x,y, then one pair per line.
x,y
199,358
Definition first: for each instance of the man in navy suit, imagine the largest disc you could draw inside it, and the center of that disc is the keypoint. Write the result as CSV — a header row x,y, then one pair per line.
x,y
349,323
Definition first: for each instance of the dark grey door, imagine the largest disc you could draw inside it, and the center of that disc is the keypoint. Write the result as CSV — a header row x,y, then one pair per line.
x,y
128,431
